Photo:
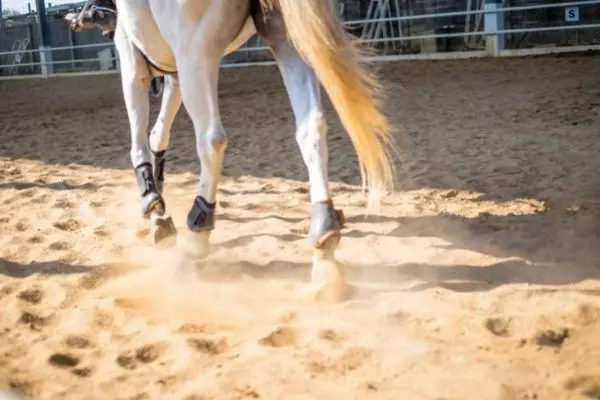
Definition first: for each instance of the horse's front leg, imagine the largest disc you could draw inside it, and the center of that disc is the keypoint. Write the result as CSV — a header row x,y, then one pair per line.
x,y
161,132
135,81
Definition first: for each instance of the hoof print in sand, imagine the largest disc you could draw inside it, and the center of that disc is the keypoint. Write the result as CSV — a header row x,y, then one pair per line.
x,y
101,232
330,335
399,317
63,360
23,387
35,322
499,326
246,392
552,338
59,246
33,296
150,353
350,360
127,361
21,226
207,346
145,354
35,239
83,372
141,396
62,204
587,385
8,289
130,304
91,281
192,328
77,342
588,314
195,397
69,225
281,337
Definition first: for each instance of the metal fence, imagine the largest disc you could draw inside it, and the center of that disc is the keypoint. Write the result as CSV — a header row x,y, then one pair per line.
x,y
482,28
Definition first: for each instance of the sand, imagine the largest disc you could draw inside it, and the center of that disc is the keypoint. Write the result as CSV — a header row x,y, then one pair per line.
x,y
478,279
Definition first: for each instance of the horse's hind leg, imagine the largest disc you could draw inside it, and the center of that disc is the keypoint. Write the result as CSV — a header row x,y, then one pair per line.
x,y
199,78
303,89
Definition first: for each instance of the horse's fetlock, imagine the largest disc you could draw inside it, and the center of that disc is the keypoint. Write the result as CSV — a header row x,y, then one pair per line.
x,y
326,224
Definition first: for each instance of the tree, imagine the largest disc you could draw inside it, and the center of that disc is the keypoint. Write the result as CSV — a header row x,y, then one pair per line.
x,y
10,12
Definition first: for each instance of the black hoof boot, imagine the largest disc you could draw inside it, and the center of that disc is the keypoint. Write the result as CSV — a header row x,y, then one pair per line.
x,y
158,160
152,201
326,225
201,217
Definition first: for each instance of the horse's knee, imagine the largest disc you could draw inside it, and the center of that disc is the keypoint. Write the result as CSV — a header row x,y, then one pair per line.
x,y
218,143
213,143
217,139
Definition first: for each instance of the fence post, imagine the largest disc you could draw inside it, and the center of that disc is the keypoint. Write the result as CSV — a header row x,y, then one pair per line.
x,y
46,61
494,22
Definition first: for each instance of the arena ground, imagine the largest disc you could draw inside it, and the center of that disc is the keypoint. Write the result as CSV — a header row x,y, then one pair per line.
x,y
478,279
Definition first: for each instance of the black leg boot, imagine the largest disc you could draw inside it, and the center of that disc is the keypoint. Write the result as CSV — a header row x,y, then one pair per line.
x,y
151,198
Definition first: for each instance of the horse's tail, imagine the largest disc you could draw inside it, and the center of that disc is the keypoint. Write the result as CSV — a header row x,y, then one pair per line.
x,y
315,31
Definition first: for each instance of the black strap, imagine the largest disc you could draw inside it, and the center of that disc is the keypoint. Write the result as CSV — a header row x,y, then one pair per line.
x,y
159,158
145,179
201,217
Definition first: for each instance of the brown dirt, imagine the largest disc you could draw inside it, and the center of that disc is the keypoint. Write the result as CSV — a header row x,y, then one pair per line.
x,y
478,279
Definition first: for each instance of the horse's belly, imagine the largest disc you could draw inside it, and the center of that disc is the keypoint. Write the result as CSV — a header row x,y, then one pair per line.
x,y
155,41
246,33
159,54
143,31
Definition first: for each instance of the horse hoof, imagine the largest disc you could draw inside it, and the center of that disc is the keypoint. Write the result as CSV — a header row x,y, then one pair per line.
x,y
198,246
163,231
329,278
334,293
329,241
153,204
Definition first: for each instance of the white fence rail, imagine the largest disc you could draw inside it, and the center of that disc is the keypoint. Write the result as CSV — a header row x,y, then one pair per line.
x,y
377,31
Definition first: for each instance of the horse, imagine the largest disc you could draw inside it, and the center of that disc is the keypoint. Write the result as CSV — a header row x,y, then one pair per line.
x,y
185,41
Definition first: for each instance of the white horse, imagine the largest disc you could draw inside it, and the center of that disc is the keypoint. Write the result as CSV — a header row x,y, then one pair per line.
x,y
185,40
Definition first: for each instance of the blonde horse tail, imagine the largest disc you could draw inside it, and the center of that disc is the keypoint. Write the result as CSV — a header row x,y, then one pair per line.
x,y
314,30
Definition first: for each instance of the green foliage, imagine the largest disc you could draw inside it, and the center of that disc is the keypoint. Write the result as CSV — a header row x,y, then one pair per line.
x,y
10,12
